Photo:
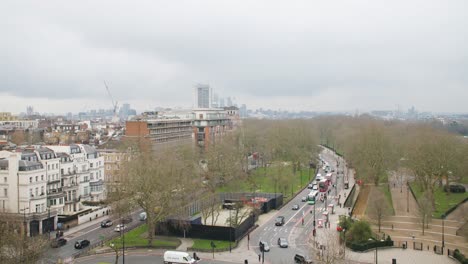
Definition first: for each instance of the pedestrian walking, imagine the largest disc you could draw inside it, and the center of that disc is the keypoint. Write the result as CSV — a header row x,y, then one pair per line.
x,y
259,257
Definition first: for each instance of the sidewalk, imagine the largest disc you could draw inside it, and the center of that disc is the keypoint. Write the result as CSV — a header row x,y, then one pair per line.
x,y
73,231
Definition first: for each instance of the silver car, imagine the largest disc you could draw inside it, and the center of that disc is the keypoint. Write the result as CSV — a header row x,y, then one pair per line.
x,y
282,242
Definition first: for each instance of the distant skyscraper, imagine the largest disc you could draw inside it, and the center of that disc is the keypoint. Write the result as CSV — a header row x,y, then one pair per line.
x,y
215,101
221,102
229,102
203,96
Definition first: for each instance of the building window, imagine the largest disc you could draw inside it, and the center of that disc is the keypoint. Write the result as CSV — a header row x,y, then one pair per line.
x,y
108,167
37,177
38,208
5,179
5,192
91,165
30,179
31,192
37,191
42,177
48,166
42,190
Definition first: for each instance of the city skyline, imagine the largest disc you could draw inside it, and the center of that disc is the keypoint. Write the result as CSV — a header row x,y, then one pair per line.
x,y
290,56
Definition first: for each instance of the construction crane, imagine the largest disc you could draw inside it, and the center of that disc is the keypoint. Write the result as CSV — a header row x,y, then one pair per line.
x,y
114,104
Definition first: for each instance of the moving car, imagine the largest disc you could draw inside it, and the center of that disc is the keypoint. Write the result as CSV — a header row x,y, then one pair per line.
x,y
295,207
266,247
106,223
279,221
120,228
58,242
310,186
315,187
178,257
282,242
82,243
304,199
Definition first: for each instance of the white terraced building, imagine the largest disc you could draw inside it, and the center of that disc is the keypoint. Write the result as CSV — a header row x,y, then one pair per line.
x,y
39,183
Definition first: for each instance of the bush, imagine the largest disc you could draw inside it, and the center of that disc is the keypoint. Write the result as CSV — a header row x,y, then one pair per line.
x,y
460,257
360,232
366,245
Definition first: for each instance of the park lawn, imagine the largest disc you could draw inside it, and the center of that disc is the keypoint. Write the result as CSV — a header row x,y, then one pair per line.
x,y
205,244
266,184
443,200
137,238
388,195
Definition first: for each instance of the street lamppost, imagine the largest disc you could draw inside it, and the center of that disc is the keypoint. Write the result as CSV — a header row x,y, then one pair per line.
x,y
24,220
48,221
370,239
123,240
344,250
407,196
443,239
230,225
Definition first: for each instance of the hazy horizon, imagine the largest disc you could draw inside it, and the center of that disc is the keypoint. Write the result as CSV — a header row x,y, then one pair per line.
x,y
312,56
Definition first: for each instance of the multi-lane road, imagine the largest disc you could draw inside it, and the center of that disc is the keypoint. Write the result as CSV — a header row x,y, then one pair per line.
x,y
94,233
298,227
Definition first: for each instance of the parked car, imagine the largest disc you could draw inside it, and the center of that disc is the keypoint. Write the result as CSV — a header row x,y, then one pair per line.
x,y
266,247
300,259
279,221
58,242
304,199
455,188
106,223
82,243
315,187
282,242
143,216
120,227
295,207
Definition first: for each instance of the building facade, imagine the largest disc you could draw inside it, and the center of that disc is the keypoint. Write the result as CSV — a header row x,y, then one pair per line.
x,y
209,125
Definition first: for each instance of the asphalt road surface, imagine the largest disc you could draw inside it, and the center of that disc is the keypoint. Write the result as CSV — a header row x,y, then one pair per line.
x,y
298,227
140,259
95,234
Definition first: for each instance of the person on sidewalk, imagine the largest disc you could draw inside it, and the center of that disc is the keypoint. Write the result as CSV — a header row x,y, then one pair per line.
x,y
259,257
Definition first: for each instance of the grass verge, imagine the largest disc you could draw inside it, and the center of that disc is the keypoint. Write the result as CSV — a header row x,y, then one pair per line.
x,y
137,238
205,244
263,180
443,200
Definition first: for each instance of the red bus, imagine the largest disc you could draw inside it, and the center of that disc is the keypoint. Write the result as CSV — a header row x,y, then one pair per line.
x,y
323,185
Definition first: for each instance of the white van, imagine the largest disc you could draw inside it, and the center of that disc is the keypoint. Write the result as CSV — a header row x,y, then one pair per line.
x,y
173,257
143,216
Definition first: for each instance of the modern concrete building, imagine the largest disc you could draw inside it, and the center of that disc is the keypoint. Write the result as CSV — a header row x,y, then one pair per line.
x,y
209,124
160,129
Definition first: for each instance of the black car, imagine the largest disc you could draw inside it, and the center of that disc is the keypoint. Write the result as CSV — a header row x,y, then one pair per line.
x,y
79,244
279,221
300,259
58,242
106,223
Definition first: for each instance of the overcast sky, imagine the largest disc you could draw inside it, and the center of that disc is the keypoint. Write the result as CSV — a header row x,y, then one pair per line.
x,y
291,55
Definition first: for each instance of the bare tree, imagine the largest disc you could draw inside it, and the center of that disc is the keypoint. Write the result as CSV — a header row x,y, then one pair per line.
x,y
160,182
238,214
425,210
378,206
330,251
15,246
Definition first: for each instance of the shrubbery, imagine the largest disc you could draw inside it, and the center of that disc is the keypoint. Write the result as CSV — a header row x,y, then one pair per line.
x,y
460,257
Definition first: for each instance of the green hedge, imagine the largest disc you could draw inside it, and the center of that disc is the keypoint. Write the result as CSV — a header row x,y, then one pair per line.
x,y
460,257
369,245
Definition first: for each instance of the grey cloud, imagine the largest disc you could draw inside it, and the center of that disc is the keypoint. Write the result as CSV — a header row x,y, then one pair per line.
x,y
160,50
